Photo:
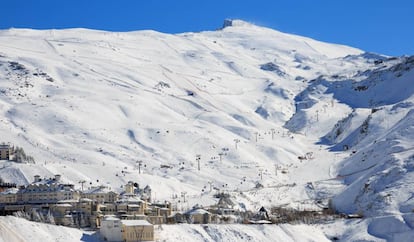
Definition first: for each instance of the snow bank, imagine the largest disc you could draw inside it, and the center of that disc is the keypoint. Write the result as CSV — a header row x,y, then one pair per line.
x,y
14,229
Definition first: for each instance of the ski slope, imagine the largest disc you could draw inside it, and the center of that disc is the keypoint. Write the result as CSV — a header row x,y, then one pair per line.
x,y
248,100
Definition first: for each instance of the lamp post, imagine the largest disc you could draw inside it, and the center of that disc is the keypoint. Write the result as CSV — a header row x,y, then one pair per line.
x,y
183,196
139,166
198,157
236,141
81,182
273,133
220,155
261,174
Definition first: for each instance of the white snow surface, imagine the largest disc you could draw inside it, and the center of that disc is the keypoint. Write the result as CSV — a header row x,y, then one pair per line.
x,y
14,229
249,100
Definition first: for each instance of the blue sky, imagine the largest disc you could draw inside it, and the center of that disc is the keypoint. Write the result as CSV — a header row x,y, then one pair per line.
x,y
380,26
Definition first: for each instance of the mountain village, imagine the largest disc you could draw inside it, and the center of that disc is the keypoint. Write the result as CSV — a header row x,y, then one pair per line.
x,y
126,216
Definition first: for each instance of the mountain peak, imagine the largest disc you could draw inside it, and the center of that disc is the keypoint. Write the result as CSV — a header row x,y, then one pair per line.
x,y
235,22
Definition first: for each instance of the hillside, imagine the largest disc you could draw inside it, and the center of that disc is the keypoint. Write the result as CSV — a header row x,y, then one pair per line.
x,y
250,101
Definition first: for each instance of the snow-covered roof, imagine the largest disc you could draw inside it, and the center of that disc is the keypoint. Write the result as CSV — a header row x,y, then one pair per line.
x,y
136,223
47,186
127,194
100,189
10,191
133,205
63,205
130,200
197,211
259,222
110,218
68,201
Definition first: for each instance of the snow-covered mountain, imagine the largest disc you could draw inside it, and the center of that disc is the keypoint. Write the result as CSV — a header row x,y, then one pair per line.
x,y
309,121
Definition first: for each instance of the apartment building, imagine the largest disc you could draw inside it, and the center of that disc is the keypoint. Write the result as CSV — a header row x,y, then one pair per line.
x,y
6,152
100,194
49,190
115,229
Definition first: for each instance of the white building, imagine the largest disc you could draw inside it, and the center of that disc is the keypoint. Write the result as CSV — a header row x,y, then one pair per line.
x,y
115,229
111,228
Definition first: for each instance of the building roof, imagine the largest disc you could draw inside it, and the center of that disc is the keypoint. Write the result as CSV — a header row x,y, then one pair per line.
x,y
68,201
197,211
10,191
130,200
96,190
48,185
63,205
110,218
135,223
260,222
127,194
133,205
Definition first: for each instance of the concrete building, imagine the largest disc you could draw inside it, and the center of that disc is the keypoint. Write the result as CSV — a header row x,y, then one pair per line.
x,y
111,229
62,213
107,208
100,194
46,191
158,212
133,188
9,196
131,204
129,187
6,152
198,216
115,229
137,230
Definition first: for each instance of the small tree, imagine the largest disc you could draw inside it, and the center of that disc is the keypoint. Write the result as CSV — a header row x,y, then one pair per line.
x,y
50,219
20,156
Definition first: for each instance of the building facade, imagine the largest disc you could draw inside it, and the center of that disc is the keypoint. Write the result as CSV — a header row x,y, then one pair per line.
x,y
111,228
9,196
115,229
47,191
6,152
100,194
137,230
